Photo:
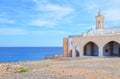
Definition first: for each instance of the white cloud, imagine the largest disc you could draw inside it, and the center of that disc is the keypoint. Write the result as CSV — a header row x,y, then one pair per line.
x,y
112,14
57,11
51,32
111,9
50,14
91,5
43,23
12,31
4,20
54,14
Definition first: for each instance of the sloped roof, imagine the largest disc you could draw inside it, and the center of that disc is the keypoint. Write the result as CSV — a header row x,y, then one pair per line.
x,y
104,31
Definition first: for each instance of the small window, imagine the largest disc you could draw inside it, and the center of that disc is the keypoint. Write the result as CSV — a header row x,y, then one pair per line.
x,y
98,22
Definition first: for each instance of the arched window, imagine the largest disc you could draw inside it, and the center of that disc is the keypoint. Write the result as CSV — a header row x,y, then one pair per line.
x,y
91,49
112,48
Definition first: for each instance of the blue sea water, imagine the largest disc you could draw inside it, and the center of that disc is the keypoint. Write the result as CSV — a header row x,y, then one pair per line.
x,y
15,54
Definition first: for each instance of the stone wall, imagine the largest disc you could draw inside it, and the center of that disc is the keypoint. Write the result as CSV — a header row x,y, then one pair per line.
x,y
99,40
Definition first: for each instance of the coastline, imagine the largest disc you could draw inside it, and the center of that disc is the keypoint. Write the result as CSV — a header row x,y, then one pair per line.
x,y
15,54
63,68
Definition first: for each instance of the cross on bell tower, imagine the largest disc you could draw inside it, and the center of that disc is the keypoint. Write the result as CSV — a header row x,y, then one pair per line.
x,y
99,21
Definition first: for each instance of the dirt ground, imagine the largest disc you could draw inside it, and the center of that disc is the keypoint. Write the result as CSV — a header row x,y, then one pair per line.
x,y
64,68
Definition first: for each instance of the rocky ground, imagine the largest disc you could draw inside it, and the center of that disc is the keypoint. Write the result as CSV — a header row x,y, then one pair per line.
x,y
64,68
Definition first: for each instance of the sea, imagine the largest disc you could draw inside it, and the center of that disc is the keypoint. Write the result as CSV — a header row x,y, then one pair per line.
x,y
17,54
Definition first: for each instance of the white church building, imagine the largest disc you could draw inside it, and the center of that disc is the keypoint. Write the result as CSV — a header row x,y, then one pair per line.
x,y
96,42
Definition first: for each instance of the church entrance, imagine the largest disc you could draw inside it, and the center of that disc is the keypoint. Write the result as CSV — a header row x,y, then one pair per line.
x,y
111,49
70,53
91,49
77,53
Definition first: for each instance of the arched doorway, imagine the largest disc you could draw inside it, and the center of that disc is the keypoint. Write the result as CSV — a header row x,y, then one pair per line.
x,y
91,49
70,53
112,48
77,53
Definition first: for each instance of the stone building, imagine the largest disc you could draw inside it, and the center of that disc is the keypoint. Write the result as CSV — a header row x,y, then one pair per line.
x,y
96,42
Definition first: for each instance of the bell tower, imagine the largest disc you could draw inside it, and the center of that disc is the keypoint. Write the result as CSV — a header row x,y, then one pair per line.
x,y
99,21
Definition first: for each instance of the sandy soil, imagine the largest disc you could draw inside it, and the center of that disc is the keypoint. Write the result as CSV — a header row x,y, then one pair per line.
x,y
64,68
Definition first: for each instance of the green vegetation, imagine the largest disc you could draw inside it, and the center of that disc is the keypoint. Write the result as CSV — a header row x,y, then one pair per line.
x,y
46,65
22,69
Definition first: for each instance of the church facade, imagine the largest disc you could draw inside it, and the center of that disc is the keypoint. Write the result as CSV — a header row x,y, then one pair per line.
x,y
96,42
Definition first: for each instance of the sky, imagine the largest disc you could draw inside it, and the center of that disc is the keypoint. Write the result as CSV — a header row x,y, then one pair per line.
x,y
36,23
